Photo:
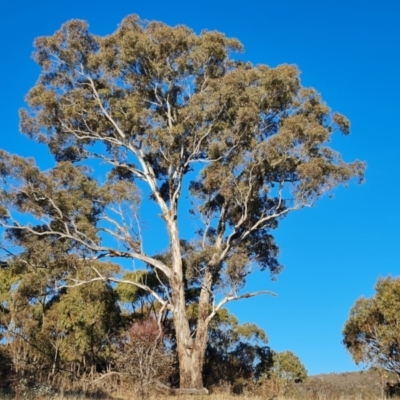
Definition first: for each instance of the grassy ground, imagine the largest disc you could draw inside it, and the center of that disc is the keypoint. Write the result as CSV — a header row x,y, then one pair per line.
x,y
210,397
132,396
367,385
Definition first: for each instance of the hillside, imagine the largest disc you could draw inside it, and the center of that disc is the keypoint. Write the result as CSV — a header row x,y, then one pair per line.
x,y
364,384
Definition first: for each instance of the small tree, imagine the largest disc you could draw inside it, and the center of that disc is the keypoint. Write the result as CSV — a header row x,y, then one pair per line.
x,y
170,114
235,353
372,332
142,356
49,333
286,370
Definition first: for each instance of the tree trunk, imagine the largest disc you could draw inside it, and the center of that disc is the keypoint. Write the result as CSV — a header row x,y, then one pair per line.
x,y
190,368
53,368
190,353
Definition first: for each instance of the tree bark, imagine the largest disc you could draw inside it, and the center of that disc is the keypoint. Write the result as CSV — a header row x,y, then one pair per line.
x,y
190,356
202,319
190,352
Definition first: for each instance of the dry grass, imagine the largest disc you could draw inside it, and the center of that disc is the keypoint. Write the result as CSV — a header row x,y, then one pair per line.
x,y
131,396
368,385
202,397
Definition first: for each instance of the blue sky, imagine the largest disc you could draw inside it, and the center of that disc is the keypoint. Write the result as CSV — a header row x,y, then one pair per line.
x,y
350,52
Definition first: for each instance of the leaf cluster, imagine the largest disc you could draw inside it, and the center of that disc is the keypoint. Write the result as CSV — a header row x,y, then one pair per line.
x,y
371,334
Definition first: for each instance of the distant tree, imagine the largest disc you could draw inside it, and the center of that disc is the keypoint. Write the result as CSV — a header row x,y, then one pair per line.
x,y
138,303
287,367
157,113
236,353
82,327
46,332
286,370
372,332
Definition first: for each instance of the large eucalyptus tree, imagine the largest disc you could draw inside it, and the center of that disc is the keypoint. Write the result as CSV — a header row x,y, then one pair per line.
x,y
159,107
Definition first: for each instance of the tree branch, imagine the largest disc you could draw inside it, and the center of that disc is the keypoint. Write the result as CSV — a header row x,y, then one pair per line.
x,y
235,297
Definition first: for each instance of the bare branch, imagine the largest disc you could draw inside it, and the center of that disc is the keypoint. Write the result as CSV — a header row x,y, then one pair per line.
x,y
103,278
90,245
235,297
108,374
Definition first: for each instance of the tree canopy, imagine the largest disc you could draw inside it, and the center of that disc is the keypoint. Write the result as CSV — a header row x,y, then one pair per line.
x,y
153,113
287,367
372,332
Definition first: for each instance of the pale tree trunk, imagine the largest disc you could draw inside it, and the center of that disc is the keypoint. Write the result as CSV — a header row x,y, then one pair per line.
x,y
190,352
190,355
191,358
53,369
201,340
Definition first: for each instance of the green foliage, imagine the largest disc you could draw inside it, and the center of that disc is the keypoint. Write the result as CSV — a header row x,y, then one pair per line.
x,y
372,332
169,98
283,376
235,353
287,367
140,302
84,322
46,330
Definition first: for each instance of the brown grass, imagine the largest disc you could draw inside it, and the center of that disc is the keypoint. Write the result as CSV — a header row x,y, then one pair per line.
x,y
130,396
202,397
367,385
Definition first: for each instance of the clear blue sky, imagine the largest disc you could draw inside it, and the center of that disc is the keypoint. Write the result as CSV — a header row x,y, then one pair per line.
x,y
350,52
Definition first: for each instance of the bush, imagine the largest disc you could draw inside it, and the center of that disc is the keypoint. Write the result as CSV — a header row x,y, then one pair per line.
x,y
142,356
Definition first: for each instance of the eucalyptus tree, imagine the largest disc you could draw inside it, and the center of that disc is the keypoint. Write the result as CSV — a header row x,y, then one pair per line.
x,y
169,115
48,333
371,333
236,354
287,367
